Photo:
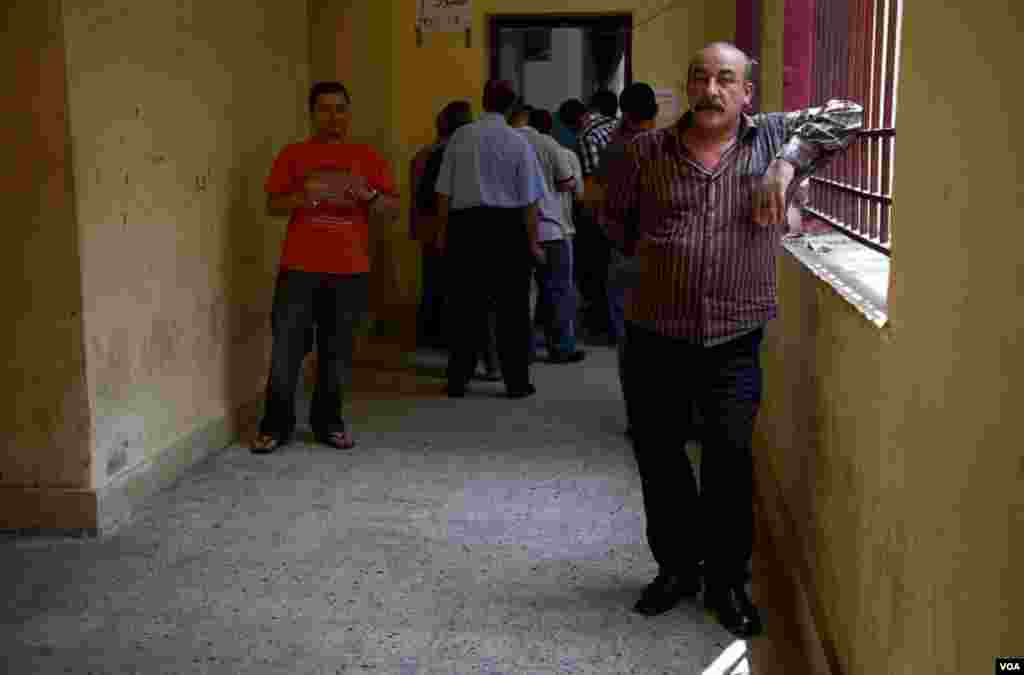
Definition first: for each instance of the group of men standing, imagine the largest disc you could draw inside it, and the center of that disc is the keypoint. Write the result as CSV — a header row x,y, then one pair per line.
x,y
694,211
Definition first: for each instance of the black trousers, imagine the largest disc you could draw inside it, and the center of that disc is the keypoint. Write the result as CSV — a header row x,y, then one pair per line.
x,y
334,303
489,262
591,255
668,379
429,317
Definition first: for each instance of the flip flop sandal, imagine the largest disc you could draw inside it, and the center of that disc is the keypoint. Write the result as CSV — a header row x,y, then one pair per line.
x,y
265,448
339,440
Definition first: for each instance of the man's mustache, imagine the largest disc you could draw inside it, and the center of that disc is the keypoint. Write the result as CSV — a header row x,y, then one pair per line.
x,y
705,104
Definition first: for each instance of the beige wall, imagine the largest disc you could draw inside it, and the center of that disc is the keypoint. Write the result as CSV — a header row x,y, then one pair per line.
x,y
355,42
894,454
177,110
399,91
44,402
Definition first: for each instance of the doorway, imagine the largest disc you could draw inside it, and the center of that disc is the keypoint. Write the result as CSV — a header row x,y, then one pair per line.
x,y
551,59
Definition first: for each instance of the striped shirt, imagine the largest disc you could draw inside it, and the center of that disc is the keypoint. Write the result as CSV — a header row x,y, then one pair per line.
x,y
594,136
488,163
706,271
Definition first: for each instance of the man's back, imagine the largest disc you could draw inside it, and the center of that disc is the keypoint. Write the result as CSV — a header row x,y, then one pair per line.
x,y
488,163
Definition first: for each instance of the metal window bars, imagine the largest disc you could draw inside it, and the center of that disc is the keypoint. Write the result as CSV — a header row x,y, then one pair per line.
x,y
855,57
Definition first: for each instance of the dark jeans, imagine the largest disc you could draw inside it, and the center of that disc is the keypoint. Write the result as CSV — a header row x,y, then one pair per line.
x,y
556,297
334,303
488,253
430,331
724,382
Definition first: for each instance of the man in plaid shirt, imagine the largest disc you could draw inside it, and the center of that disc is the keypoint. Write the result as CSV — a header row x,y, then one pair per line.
x,y
595,129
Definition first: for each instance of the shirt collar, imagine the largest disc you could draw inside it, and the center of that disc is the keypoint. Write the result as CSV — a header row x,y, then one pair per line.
x,y
493,117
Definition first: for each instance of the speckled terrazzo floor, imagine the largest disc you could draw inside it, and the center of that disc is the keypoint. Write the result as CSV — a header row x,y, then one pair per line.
x,y
479,535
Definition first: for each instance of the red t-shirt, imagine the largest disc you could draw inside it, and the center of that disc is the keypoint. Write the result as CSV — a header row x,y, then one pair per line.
x,y
328,238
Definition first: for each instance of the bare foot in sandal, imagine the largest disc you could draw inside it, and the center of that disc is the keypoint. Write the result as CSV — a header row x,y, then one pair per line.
x,y
341,440
265,444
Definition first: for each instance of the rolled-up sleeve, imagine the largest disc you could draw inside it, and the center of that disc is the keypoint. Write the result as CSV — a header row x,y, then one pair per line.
x,y
814,135
618,214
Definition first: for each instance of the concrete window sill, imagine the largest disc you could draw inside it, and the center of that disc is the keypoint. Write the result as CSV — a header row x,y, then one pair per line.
x,y
859,274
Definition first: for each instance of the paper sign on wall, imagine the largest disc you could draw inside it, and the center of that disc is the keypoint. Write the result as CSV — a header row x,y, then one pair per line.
x,y
437,16
669,106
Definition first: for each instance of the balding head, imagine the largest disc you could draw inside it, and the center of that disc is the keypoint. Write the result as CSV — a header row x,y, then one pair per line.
x,y
726,51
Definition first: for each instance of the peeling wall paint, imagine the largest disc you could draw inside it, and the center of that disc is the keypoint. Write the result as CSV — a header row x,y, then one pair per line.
x,y
177,112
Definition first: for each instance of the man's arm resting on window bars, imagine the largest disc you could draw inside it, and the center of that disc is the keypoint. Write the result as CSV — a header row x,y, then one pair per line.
x,y
815,135
812,137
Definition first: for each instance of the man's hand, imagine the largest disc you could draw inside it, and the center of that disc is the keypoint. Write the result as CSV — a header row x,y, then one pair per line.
x,y
353,191
313,184
770,195
360,190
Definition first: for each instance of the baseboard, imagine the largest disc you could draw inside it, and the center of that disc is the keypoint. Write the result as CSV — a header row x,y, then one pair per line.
x,y
31,512
119,499
784,588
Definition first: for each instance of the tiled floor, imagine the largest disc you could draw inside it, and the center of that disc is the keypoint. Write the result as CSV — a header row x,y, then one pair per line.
x,y
479,535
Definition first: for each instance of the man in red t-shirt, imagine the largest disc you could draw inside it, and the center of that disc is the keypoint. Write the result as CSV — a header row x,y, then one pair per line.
x,y
332,189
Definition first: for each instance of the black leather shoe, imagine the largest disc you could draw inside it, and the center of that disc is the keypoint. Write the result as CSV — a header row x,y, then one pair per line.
x,y
530,390
735,611
665,592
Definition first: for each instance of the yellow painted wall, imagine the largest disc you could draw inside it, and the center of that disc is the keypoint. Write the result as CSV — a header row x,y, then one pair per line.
x,y
399,87
896,453
44,402
355,42
177,110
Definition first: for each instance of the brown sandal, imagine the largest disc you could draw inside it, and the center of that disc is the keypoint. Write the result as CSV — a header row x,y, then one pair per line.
x,y
264,444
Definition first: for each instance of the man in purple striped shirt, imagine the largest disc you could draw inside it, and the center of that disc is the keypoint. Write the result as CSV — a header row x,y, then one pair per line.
x,y
702,205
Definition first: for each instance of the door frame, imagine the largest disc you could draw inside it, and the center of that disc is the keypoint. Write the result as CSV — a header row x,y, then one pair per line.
x,y
617,20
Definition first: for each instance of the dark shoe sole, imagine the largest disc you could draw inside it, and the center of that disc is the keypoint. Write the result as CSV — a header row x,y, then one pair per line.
x,y
744,630
654,603
745,627
575,357
522,393
654,609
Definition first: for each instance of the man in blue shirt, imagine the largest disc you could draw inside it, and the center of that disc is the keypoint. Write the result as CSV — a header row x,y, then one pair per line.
x,y
489,190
